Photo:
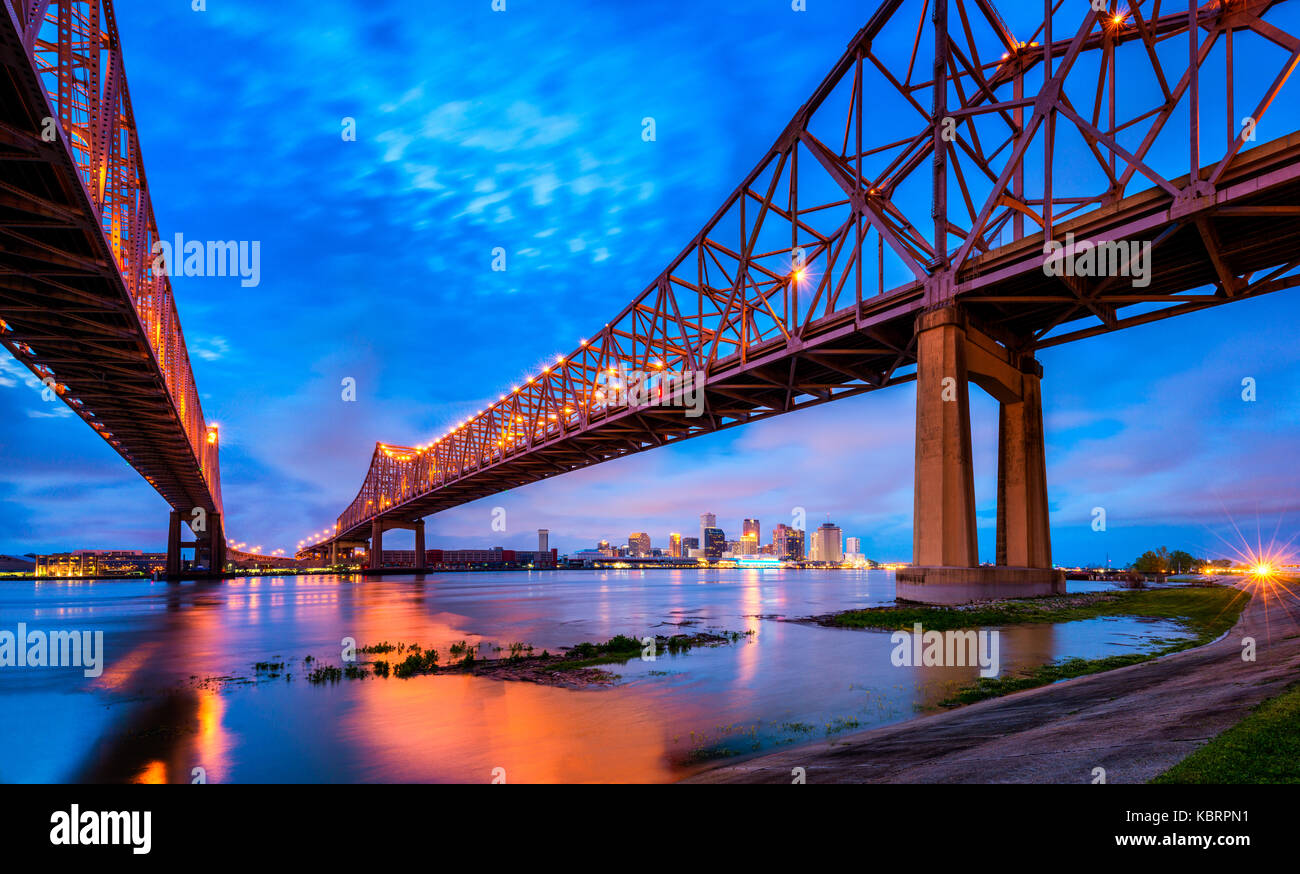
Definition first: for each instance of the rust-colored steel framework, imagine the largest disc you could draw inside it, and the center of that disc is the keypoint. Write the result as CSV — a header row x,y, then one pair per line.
x,y
81,304
950,143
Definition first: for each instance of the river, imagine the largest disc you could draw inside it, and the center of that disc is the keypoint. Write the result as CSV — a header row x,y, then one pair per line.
x,y
179,699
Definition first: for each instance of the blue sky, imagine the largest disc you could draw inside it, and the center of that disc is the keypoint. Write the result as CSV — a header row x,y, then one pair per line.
x,y
523,130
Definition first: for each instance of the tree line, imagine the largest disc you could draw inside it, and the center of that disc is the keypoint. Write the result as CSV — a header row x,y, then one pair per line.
x,y
1162,561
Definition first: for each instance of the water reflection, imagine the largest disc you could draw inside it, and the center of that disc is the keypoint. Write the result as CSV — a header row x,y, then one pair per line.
x,y
157,713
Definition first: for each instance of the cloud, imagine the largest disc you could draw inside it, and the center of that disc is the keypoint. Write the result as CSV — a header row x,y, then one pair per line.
x,y
209,348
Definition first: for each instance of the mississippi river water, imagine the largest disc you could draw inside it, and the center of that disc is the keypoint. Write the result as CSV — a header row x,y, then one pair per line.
x,y
159,711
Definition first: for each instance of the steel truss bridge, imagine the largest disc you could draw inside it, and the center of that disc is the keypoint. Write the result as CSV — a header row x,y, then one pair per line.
x,y
81,303
914,195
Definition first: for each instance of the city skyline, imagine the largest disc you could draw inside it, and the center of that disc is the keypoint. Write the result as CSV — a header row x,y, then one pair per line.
x,y
569,542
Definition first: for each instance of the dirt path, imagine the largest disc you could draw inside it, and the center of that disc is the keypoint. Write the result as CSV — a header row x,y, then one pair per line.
x,y
1135,722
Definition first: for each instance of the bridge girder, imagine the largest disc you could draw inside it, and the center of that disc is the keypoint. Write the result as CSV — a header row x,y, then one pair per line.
x,y
82,303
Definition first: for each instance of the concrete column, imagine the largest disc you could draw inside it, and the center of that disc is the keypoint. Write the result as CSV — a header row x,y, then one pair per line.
x,y
334,553
216,543
174,544
376,545
943,522
419,544
1024,532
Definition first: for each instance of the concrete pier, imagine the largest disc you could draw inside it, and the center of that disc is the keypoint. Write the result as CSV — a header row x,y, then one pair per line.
x,y
377,529
952,353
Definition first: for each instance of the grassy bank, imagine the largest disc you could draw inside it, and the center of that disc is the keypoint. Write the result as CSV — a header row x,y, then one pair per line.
x,y
1262,748
621,649
1205,611
1203,606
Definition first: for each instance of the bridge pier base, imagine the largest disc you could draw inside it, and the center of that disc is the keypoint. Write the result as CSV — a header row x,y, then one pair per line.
x,y
952,353
376,558
174,545
209,545
216,543
377,529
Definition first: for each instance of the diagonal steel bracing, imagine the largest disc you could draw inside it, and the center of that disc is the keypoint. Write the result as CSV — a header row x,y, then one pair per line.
x,y
81,304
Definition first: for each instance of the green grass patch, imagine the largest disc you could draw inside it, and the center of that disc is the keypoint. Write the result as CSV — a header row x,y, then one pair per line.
x,y
1202,605
618,649
416,663
621,649
1207,612
1262,748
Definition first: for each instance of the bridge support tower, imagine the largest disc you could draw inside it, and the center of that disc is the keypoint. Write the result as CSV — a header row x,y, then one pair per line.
x,y
209,544
377,529
952,353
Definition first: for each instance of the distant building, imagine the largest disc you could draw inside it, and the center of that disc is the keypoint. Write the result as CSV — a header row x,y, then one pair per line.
x,y
747,545
674,546
779,536
715,543
638,544
853,552
539,559
587,555
787,542
827,545
468,559
543,540
707,520
689,544
101,563
749,528
794,543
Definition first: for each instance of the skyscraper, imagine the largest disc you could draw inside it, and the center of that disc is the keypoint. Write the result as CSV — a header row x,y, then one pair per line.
x,y
749,527
827,544
715,543
543,540
784,541
675,545
707,520
794,544
853,545
638,544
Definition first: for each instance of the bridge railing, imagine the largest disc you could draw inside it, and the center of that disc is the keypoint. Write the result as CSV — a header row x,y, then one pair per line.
x,y
74,48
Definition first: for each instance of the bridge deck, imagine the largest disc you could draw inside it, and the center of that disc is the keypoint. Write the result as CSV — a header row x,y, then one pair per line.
x,y
68,315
